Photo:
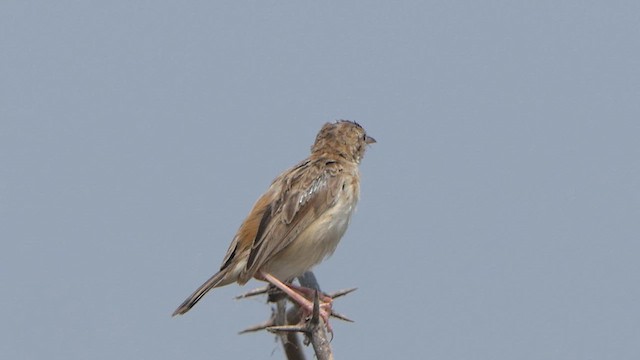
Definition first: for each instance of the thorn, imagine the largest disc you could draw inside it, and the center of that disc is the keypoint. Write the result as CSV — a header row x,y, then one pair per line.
x,y
342,292
340,316
254,292
287,328
261,326
315,317
258,327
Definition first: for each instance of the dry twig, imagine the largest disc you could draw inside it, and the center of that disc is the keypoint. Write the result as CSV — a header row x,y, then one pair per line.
x,y
286,324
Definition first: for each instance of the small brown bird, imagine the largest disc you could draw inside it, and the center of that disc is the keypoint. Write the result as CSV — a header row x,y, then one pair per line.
x,y
299,221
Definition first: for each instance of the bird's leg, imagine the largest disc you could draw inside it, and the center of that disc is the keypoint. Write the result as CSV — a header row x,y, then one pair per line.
x,y
305,304
310,293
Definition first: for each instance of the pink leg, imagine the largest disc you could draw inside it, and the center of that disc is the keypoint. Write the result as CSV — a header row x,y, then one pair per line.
x,y
304,303
310,293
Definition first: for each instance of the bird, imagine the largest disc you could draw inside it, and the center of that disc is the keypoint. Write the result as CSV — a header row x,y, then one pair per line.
x,y
299,220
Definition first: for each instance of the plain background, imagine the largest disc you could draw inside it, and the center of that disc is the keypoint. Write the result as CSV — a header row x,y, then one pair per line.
x,y
500,208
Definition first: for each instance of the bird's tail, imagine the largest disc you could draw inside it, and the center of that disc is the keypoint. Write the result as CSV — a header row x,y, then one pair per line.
x,y
199,293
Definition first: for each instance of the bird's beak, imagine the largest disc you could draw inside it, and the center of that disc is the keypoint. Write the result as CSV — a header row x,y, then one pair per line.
x,y
369,140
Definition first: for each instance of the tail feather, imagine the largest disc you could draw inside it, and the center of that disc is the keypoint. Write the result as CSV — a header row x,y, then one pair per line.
x,y
199,293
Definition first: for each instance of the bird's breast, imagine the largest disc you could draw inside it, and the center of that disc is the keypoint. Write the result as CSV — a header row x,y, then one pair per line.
x,y
320,239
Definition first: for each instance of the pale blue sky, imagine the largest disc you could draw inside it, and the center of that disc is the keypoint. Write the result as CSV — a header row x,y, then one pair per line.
x,y
500,208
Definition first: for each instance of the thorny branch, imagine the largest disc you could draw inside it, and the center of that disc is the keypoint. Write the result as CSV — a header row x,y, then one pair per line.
x,y
287,323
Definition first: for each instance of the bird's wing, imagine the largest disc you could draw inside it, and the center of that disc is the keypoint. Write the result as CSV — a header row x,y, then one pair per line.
x,y
307,192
